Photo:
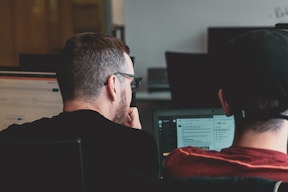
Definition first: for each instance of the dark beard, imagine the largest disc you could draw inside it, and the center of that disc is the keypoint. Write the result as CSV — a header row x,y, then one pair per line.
x,y
121,113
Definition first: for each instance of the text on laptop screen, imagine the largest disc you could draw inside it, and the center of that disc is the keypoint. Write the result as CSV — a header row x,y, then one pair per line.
x,y
208,129
27,96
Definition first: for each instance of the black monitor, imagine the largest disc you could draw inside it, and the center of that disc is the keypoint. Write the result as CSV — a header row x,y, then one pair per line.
x,y
217,36
191,79
39,62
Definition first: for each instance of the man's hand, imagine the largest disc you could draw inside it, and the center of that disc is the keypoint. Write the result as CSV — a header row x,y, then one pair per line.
x,y
133,119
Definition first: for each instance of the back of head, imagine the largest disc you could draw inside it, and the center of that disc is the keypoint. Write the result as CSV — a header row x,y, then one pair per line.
x,y
87,61
256,79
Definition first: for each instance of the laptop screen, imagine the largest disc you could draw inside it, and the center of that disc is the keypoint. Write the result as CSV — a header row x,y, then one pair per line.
x,y
27,96
206,128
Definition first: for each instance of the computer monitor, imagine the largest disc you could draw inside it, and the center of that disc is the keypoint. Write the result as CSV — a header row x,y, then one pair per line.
x,y
39,62
218,36
191,78
27,96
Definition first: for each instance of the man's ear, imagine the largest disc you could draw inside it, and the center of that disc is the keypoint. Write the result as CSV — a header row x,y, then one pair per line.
x,y
224,104
112,87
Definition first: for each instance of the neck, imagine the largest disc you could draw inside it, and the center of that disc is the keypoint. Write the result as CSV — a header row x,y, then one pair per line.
x,y
70,106
272,140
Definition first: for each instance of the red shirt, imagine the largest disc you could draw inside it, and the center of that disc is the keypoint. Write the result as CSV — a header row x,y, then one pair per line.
x,y
233,161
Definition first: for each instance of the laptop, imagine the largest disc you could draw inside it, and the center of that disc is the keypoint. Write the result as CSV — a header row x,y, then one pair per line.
x,y
26,96
207,128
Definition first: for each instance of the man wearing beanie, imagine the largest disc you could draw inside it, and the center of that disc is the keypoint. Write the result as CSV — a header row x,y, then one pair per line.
x,y
255,91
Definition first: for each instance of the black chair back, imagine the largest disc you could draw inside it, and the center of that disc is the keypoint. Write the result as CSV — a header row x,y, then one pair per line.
x,y
41,165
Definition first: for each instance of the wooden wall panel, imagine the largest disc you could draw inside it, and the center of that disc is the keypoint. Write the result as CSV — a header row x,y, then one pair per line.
x,y
6,34
33,26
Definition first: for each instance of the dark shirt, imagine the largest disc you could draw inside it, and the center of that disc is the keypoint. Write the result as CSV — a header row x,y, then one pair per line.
x,y
109,149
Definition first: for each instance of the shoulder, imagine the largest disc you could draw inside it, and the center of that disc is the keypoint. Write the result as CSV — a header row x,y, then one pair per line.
x,y
25,129
185,160
138,135
192,149
190,152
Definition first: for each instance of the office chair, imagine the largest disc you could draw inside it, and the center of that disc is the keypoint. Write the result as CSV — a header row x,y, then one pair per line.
x,y
225,184
192,80
142,183
42,165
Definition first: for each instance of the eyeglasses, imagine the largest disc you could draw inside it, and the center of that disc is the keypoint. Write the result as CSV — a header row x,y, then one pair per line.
x,y
134,83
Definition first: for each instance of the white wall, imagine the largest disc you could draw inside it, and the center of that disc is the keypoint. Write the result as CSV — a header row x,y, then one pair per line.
x,y
154,26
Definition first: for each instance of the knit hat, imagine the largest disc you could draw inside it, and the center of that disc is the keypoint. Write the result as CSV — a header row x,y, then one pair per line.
x,y
256,72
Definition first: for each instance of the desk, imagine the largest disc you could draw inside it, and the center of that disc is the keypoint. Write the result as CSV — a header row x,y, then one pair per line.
x,y
147,102
149,96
